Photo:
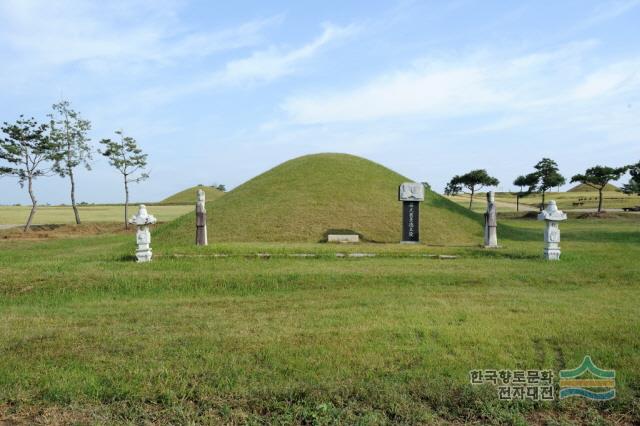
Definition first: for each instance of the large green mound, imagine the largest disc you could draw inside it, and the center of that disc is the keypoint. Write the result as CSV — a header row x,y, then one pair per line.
x,y
188,196
302,199
583,187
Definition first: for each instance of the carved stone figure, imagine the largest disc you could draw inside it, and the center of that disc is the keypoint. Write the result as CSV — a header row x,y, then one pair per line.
x,y
491,222
552,216
201,220
411,191
142,220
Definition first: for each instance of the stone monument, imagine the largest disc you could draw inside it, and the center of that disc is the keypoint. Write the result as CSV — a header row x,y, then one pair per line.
x,y
411,194
490,222
552,216
142,220
201,220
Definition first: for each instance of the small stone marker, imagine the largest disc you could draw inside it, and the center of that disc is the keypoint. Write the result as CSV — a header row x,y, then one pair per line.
x,y
201,220
343,238
142,220
551,215
411,194
491,222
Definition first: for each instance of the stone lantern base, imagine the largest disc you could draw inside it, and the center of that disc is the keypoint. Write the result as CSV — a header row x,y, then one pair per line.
x,y
552,253
144,254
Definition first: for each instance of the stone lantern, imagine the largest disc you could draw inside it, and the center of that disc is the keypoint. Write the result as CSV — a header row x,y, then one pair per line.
x,y
552,216
142,220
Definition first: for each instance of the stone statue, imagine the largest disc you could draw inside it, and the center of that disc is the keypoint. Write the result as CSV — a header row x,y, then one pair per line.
x,y
552,216
201,220
142,220
491,222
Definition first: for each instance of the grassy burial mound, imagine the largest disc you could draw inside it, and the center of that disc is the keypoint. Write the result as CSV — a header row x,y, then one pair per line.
x,y
583,187
188,196
303,199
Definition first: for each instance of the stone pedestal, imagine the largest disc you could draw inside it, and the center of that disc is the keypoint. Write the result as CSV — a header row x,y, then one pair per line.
x,y
142,220
491,222
552,216
201,220
411,194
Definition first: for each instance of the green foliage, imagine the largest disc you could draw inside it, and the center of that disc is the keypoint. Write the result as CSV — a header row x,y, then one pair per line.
x,y
548,175
69,132
126,156
633,187
473,181
27,149
598,177
29,152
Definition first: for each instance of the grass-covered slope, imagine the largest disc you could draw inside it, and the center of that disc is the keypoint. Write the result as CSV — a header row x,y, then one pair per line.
x,y
188,196
302,199
586,188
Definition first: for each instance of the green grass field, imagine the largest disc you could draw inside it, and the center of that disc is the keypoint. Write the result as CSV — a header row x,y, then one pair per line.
x,y
89,336
188,196
303,199
565,200
16,215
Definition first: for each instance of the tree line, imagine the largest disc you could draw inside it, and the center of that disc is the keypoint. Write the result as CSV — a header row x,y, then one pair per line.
x,y
30,150
546,175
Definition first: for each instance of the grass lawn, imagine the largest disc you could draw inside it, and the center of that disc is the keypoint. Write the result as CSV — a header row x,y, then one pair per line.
x,y
89,336
46,215
565,200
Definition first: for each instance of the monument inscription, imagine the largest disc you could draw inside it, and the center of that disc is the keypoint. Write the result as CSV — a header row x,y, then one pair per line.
x,y
411,194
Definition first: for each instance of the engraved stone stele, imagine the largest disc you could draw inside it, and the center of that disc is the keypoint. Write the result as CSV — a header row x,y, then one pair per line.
x,y
491,222
552,216
411,194
142,220
201,220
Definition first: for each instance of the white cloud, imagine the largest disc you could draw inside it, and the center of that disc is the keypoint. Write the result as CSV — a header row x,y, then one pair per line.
x,y
479,84
261,66
112,33
275,62
612,79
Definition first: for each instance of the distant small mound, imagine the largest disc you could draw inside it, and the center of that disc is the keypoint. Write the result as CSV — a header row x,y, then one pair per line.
x,y
301,199
586,188
188,196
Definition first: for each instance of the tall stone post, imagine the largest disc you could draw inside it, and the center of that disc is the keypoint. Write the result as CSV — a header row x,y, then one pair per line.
x,y
491,222
142,220
201,220
552,216
411,194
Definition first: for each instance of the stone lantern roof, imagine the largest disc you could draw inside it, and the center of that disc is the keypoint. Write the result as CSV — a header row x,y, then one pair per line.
x,y
552,213
142,218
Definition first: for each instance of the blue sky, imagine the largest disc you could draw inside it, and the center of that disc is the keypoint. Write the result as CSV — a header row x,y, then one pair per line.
x,y
222,91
